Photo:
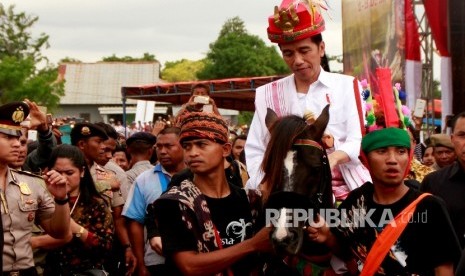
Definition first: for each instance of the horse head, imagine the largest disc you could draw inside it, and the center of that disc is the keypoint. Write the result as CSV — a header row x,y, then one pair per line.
x,y
297,177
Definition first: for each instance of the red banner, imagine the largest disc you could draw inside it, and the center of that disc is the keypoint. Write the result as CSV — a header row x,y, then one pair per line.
x,y
412,37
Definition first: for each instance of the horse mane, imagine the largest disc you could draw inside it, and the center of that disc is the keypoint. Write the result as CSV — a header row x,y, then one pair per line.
x,y
283,133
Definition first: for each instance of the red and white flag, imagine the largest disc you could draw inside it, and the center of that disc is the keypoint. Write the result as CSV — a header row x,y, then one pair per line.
x,y
413,65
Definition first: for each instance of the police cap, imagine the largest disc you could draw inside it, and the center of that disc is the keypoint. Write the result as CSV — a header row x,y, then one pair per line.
x,y
82,131
11,116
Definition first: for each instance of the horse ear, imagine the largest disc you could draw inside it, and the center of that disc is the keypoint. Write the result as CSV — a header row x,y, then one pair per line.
x,y
321,123
270,118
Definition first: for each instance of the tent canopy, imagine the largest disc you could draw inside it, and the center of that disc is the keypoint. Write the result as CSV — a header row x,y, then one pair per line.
x,y
235,93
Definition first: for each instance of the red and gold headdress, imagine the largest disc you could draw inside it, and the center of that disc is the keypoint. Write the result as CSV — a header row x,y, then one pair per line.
x,y
295,20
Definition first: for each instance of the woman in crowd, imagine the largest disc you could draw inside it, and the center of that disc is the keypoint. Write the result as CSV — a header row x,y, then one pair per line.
x,y
91,220
428,157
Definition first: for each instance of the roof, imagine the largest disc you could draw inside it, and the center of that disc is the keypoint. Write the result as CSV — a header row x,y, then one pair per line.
x,y
235,93
100,83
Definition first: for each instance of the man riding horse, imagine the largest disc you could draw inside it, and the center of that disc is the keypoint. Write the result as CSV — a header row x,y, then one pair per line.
x,y
296,27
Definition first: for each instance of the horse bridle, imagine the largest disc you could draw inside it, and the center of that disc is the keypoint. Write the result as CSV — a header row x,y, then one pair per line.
x,y
326,178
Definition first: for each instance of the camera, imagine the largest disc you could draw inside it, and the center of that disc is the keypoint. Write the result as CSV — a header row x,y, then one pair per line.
x,y
49,119
201,99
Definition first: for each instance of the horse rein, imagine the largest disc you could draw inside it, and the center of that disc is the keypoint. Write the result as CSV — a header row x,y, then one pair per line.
x,y
308,142
326,169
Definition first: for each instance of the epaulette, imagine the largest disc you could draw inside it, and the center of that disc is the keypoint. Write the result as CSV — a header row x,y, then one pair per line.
x,y
29,174
26,173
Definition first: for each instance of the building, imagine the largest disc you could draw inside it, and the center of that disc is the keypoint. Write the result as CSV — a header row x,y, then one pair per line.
x,y
93,90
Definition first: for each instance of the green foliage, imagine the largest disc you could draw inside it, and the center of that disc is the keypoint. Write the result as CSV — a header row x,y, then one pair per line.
x,y
20,55
15,39
69,60
145,57
233,26
245,118
238,54
181,70
436,89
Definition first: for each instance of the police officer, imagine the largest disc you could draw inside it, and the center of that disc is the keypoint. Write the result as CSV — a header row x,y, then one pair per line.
x,y
26,198
90,138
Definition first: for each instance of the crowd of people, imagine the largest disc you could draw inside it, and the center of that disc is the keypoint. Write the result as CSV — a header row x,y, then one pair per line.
x,y
183,196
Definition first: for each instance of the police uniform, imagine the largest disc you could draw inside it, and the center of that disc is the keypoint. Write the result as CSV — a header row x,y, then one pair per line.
x,y
104,181
121,177
24,200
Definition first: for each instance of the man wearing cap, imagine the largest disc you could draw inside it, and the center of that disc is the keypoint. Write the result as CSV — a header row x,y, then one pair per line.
x,y
140,148
206,224
89,139
443,150
147,187
24,198
426,245
36,160
449,182
296,27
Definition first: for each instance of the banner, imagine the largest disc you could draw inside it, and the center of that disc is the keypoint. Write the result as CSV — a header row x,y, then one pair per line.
x,y
373,37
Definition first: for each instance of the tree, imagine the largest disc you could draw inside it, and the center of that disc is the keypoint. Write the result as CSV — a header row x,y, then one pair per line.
x,y
234,25
236,53
20,55
145,57
182,70
69,60
436,89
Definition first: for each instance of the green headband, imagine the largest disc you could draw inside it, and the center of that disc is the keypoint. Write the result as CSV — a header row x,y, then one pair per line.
x,y
386,137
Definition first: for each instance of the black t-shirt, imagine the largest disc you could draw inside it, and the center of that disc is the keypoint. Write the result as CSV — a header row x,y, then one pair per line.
x,y
427,242
231,216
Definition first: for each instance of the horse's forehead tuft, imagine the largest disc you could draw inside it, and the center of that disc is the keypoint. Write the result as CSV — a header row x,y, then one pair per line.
x,y
289,164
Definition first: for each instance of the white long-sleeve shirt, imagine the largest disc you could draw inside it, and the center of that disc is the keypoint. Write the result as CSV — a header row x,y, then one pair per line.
x,y
282,97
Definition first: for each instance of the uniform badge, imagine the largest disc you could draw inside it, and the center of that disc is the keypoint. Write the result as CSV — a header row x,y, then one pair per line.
x,y
18,115
30,216
30,201
24,188
85,131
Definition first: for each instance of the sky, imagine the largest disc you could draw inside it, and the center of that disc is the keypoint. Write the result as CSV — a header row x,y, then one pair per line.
x,y
89,30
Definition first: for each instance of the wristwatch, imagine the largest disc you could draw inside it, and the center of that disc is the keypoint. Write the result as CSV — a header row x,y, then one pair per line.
x,y
79,234
62,201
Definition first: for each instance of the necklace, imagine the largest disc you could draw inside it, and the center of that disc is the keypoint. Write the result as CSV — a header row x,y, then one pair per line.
x,y
75,203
